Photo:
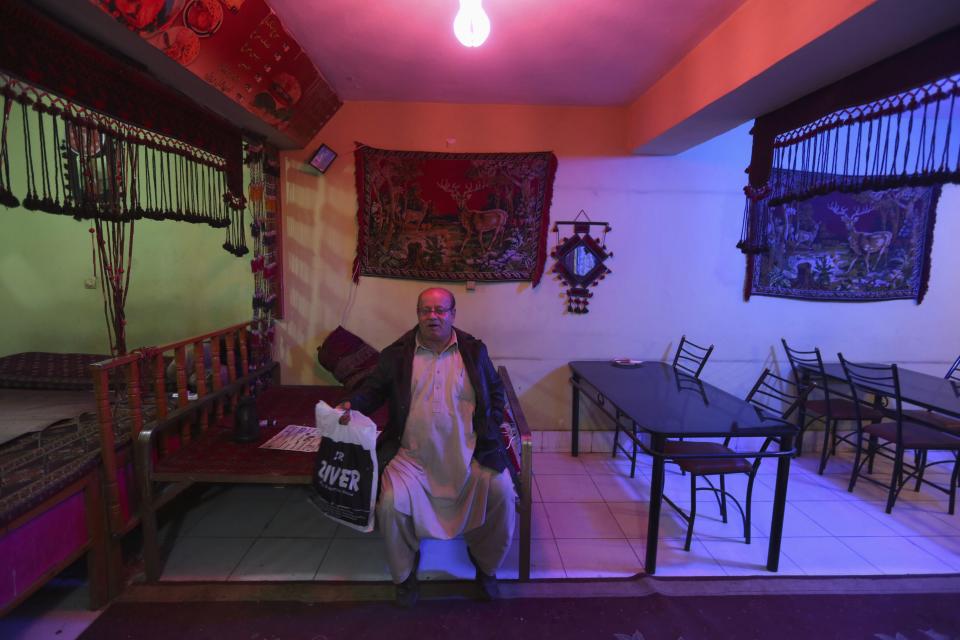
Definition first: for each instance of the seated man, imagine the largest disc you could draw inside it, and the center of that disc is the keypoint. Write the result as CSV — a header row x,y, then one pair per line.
x,y
441,456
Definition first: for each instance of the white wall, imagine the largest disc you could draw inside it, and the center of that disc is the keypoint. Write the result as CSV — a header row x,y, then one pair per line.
x,y
676,221
676,270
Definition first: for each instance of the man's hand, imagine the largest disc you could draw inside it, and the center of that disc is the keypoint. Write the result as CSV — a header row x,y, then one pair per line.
x,y
345,407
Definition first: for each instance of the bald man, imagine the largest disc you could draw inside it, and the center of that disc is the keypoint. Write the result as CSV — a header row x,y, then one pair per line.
x,y
442,458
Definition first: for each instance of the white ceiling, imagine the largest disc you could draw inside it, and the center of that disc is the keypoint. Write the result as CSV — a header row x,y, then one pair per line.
x,y
560,52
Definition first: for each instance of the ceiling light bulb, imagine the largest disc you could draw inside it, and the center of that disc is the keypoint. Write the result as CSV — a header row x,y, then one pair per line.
x,y
472,25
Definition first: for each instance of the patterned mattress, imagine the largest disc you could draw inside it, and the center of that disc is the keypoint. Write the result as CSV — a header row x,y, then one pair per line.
x,y
37,465
41,370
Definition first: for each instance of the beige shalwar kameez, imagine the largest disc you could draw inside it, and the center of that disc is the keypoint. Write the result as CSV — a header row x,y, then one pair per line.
x,y
433,488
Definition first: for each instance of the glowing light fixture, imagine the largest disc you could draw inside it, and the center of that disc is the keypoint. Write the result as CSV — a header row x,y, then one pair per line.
x,y
472,25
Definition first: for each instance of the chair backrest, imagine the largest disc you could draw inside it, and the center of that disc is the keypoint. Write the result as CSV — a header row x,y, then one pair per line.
x,y
873,379
771,396
954,372
691,357
808,364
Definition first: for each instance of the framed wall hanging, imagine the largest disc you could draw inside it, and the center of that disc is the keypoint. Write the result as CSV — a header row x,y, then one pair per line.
x,y
323,158
848,247
580,260
453,216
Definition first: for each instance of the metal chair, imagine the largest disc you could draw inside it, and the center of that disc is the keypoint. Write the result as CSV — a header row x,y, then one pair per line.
x,y
892,438
688,362
835,405
704,459
691,357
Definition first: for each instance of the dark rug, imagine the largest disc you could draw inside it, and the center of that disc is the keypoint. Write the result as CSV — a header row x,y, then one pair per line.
x,y
930,616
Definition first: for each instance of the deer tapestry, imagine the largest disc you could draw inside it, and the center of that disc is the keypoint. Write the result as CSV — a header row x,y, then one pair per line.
x,y
453,216
849,247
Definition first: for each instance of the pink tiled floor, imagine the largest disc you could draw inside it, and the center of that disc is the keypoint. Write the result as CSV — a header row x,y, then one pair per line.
x,y
589,521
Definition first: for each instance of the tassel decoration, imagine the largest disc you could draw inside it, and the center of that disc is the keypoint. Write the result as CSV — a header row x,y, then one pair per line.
x,y
903,140
91,166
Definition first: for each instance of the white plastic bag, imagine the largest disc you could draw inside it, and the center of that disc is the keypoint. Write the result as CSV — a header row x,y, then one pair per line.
x,y
345,471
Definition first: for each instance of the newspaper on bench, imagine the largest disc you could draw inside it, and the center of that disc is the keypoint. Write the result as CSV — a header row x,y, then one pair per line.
x,y
293,437
345,472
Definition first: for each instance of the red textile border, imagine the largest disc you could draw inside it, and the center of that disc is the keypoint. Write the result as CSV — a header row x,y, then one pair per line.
x,y
928,245
361,207
439,185
38,50
545,220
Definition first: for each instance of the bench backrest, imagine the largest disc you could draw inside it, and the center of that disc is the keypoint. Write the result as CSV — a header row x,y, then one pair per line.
x,y
149,383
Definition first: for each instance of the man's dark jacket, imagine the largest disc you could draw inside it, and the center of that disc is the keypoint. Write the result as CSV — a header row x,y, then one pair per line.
x,y
391,383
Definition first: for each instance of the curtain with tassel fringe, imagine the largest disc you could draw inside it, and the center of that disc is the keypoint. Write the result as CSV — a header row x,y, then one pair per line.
x,y
105,141
887,126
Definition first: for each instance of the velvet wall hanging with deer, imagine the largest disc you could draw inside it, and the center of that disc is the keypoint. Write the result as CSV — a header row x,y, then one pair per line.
x,y
848,247
453,216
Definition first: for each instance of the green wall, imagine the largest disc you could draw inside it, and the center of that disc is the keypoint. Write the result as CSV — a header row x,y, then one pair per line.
x,y
183,282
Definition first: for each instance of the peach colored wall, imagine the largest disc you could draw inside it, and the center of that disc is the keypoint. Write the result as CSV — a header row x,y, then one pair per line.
x,y
676,270
320,211
741,48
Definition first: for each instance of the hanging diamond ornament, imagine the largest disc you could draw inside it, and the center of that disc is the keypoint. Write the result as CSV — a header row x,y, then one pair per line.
x,y
580,261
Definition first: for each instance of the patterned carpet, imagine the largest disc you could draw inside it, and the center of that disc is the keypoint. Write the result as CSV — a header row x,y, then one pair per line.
x,y
896,608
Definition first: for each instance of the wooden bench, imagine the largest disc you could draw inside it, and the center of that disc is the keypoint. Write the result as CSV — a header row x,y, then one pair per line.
x,y
134,390
212,456
519,442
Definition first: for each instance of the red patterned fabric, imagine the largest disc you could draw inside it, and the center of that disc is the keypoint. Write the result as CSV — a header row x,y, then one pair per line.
x,y
216,453
453,216
42,370
347,357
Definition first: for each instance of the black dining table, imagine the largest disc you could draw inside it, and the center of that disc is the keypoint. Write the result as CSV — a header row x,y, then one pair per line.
x,y
921,389
662,403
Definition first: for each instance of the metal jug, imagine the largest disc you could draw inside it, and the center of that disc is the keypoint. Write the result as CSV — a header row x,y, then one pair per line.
x,y
246,425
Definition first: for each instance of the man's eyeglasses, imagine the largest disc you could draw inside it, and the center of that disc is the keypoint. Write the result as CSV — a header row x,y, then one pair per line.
x,y
440,311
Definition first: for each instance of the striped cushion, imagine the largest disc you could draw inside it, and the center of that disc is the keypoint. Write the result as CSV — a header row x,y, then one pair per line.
x,y
347,357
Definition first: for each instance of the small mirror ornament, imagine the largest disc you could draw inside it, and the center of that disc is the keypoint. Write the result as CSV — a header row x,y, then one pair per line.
x,y
580,260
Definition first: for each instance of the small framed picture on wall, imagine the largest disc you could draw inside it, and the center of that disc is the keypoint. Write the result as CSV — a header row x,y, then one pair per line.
x,y
323,158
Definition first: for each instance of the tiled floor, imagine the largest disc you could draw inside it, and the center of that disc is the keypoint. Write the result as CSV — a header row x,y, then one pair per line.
x,y
589,520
